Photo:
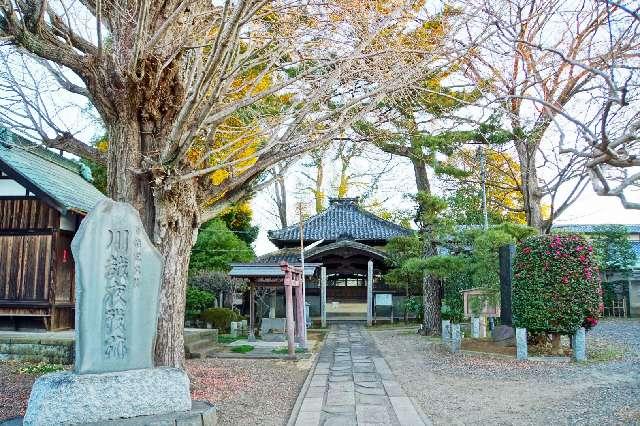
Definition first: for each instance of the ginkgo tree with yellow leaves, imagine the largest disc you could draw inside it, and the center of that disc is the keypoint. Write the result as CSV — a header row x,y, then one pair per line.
x,y
200,98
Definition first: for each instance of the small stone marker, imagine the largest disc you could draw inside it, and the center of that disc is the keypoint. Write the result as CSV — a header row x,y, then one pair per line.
x,y
521,344
579,345
446,331
234,329
118,278
244,326
456,338
475,327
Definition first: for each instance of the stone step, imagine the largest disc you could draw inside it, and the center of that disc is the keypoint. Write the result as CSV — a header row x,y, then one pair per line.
x,y
196,346
193,335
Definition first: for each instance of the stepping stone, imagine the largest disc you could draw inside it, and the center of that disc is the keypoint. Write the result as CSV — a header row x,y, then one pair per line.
x,y
342,373
345,368
366,377
370,385
393,388
319,380
339,409
341,398
362,398
345,378
373,414
364,369
340,420
405,411
369,391
315,392
341,387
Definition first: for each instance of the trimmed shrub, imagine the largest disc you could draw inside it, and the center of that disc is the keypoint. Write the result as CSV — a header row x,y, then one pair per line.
x,y
556,284
197,301
221,318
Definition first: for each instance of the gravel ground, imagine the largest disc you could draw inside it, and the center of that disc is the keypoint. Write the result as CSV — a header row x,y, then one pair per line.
x,y
248,391
464,389
244,391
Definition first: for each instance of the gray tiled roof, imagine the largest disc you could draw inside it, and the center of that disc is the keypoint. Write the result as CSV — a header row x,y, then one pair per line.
x,y
342,220
292,254
57,177
248,270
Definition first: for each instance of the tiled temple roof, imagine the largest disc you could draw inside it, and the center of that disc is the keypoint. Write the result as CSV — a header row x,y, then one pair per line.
x,y
343,220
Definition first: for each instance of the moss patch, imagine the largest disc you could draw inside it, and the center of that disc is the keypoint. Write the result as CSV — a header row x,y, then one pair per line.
x,y
242,349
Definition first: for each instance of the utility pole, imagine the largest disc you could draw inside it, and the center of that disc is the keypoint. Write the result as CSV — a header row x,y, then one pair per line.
x,y
483,183
303,342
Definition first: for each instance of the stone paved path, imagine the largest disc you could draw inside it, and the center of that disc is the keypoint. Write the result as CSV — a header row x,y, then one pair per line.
x,y
353,385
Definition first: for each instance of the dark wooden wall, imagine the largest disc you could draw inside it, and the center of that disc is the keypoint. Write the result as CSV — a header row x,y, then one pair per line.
x,y
26,267
36,266
27,213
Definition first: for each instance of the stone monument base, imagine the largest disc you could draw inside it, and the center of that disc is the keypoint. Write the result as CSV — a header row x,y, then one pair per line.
x,y
70,398
201,413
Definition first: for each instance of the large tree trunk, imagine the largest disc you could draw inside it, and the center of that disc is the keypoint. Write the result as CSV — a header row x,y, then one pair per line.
x,y
431,287
431,294
170,218
531,193
421,175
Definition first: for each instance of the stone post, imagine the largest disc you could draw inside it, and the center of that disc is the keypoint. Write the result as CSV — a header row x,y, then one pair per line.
x,y
369,292
234,329
446,331
323,296
244,326
579,345
482,326
521,344
272,304
475,327
300,315
252,324
456,338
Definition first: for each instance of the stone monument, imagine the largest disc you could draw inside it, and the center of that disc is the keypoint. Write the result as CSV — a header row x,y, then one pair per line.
x,y
504,334
118,277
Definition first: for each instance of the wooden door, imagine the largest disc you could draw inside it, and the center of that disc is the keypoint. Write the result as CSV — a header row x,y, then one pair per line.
x,y
25,267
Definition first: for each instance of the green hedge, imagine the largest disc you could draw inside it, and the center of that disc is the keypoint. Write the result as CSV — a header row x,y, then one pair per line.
x,y
556,285
197,301
221,318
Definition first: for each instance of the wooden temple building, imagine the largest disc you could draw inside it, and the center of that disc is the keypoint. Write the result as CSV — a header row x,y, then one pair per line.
x,y
349,261
43,198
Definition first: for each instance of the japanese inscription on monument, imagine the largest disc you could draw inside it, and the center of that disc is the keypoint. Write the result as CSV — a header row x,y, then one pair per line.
x,y
118,275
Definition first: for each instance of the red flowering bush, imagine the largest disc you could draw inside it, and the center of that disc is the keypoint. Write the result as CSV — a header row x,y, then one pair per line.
x,y
556,284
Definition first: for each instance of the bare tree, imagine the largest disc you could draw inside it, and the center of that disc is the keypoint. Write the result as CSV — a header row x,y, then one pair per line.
x,y
199,98
544,60
316,178
280,194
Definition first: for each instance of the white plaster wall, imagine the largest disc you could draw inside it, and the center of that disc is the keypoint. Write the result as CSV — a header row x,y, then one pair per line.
x,y
10,188
67,222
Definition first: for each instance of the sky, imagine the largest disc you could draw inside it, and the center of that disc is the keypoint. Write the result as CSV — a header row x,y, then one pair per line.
x,y
590,208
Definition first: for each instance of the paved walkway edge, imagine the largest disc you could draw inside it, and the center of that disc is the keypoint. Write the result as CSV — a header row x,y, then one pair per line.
x,y
305,386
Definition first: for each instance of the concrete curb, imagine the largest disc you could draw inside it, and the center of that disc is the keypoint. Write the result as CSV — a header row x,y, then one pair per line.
x,y
305,386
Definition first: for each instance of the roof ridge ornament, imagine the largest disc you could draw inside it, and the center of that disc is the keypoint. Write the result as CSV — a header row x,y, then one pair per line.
x,y
344,200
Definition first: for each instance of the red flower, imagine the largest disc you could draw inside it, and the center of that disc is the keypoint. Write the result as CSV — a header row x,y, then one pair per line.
x,y
526,250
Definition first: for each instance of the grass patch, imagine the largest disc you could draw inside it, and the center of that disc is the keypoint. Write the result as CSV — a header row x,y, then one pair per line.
x,y
604,353
285,351
40,368
227,338
242,349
